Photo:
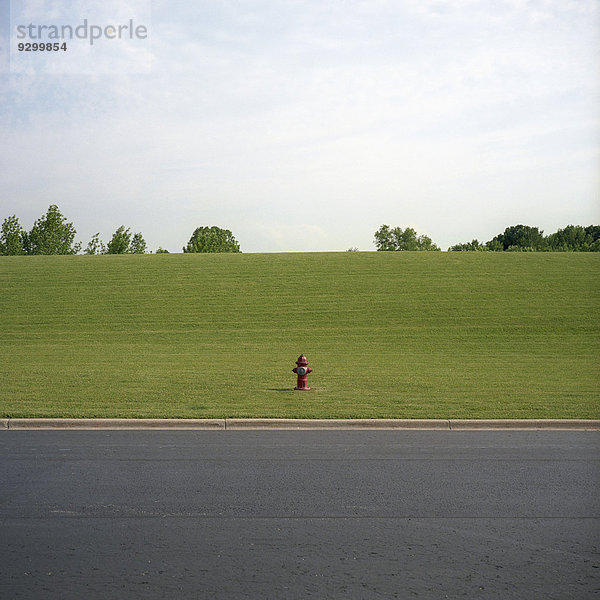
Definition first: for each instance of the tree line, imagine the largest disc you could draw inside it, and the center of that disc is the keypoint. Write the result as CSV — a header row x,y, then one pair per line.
x,y
53,234
517,238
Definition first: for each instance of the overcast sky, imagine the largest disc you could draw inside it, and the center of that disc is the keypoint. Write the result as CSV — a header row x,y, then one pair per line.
x,y
304,125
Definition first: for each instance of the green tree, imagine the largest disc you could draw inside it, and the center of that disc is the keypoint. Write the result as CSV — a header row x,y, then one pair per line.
x,y
575,238
425,243
472,246
519,237
162,251
494,245
212,239
120,241
51,234
138,244
95,245
12,238
398,239
405,240
384,239
593,231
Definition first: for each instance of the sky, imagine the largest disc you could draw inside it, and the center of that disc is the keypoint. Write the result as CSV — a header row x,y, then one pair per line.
x,y
304,125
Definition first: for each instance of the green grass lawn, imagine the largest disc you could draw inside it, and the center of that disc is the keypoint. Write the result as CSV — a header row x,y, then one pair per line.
x,y
406,335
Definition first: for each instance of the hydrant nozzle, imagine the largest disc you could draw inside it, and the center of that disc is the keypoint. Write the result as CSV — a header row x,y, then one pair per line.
x,y
302,370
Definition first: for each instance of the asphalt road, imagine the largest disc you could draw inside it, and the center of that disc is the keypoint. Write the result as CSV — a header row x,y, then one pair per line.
x,y
299,514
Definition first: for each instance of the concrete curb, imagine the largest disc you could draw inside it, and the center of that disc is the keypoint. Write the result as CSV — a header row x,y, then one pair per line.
x,y
115,424
237,424
524,424
296,424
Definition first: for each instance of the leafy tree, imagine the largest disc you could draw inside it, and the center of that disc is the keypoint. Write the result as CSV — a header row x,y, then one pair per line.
x,y
522,238
95,245
212,239
51,234
138,244
398,239
495,245
384,239
593,231
575,238
162,251
12,237
425,243
120,241
519,237
473,246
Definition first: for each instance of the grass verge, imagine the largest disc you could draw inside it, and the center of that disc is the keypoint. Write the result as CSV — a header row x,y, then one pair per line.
x,y
389,335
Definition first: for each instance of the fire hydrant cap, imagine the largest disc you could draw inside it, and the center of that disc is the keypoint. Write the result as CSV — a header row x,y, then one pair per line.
x,y
302,360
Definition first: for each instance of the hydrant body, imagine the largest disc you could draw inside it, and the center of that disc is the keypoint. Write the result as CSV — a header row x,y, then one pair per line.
x,y
302,370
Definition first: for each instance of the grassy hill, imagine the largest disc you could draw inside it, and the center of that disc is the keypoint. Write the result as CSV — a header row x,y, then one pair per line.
x,y
408,335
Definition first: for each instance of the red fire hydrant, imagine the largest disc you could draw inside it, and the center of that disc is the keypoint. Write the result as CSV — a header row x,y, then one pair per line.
x,y
302,370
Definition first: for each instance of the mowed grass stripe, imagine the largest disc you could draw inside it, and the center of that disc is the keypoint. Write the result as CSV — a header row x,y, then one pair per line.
x,y
389,335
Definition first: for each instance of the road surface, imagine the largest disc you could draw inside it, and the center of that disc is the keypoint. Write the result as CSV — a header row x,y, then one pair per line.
x,y
299,514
